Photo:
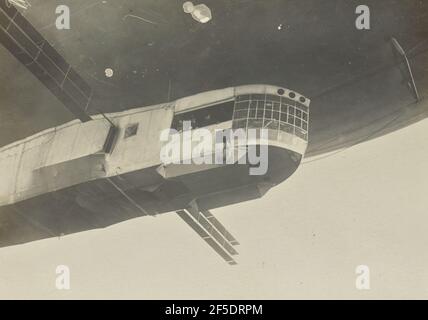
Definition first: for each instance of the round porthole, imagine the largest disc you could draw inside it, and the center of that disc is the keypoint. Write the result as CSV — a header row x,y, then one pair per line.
x,y
281,92
302,99
292,95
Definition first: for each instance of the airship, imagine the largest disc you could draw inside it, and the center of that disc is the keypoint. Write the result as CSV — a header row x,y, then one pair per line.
x,y
102,169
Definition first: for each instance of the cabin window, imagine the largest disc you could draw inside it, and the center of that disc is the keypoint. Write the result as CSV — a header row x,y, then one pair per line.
x,y
205,116
131,130
273,112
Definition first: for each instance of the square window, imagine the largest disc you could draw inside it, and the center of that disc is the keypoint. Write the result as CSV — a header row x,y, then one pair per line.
x,y
284,108
275,115
305,126
303,107
241,106
253,105
241,114
131,130
305,116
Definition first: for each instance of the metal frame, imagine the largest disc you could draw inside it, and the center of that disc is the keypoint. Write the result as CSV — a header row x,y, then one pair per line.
x,y
284,110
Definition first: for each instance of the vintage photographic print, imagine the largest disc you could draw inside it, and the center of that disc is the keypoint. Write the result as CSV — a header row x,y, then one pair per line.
x,y
213,150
